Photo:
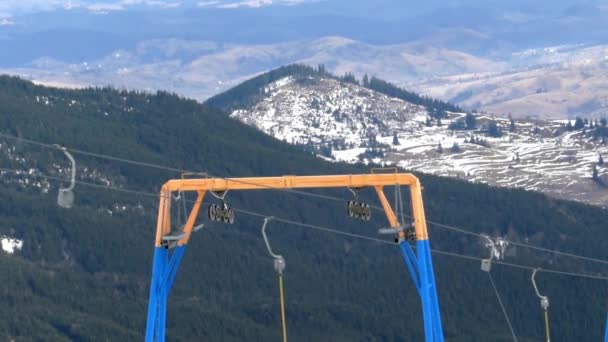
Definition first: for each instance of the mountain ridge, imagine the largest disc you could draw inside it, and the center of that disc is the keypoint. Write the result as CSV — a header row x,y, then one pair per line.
x,y
373,121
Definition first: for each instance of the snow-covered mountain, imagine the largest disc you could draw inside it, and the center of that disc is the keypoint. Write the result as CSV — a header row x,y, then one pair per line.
x,y
347,122
325,110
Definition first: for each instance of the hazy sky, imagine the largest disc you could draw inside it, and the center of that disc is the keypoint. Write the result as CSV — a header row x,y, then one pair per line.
x,y
12,7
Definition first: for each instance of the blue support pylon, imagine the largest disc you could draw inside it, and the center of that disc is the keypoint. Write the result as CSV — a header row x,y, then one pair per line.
x,y
421,270
164,270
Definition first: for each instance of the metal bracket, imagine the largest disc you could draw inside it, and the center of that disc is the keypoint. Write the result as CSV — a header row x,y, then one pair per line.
x,y
279,261
544,300
65,197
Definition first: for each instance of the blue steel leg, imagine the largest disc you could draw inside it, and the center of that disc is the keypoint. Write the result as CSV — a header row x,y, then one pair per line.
x,y
162,299
606,337
428,292
176,259
434,300
422,273
410,262
164,270
158,265
425,296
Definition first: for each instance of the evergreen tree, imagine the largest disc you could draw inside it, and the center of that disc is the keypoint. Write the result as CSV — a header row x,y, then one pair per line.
x,y
579,123
512,127
493,130
439,148
365,81
349,77
470,121
395,139
439,124
569,126
600,161
455,148
603,122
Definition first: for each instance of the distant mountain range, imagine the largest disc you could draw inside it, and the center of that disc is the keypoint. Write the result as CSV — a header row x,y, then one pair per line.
x,y
486,55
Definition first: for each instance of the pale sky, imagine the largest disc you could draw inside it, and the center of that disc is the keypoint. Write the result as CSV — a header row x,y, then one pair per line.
x,y
9,8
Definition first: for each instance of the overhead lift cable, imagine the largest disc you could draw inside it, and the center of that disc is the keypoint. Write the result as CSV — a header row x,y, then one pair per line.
x,y
313,226
486,266
304,193
502,306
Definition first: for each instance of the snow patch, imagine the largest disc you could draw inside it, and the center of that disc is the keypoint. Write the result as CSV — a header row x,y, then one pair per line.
x,y
10,245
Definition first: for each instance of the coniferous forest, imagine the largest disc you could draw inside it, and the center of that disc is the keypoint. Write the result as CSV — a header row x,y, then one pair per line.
x,y
83,273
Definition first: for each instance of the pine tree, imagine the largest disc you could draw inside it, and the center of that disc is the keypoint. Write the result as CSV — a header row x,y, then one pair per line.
x,y
579,123
470,121
439,148
439,124
493,130
365,80
512,127
395,139
600,161
455,148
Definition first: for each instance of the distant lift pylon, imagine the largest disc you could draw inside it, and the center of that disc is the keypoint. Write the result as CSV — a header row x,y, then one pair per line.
x,y
166,264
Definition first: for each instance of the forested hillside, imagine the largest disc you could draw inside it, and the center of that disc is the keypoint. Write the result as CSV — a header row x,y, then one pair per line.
x,y
250,91
83,273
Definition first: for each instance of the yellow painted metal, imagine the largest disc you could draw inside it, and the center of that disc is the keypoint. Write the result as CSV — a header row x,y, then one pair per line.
x,y
418,211
547,333
378,181
164,215
192,218
390,215
283,322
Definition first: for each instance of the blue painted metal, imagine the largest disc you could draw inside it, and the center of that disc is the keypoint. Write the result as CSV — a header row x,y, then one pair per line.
x,y
422,273
606,337
410,261
164,270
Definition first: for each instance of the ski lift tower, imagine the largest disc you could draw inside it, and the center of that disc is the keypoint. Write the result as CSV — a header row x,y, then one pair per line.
x,y
171,245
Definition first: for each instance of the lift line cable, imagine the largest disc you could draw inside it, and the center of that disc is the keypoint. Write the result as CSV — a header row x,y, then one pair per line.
x,y
304,193
436,251
85,183
161,167
521,244
322,228
502,306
